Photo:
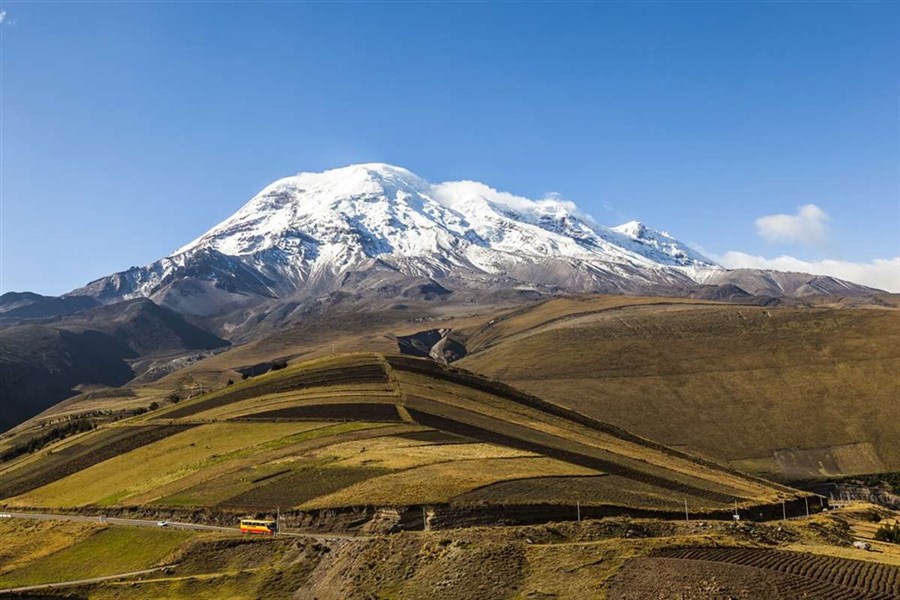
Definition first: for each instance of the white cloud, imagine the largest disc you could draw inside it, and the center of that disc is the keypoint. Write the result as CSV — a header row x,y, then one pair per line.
x,y
2,16
808,226
454,193
881,273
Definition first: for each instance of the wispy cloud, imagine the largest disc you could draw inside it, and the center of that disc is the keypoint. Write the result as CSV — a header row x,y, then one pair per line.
x,y
881,273
808,227
2,16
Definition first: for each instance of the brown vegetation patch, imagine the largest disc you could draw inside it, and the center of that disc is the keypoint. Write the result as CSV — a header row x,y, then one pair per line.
x,y
589,491
301,486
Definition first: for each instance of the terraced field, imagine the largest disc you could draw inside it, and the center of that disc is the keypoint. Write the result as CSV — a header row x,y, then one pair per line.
x,y
763,572
873,577
373,430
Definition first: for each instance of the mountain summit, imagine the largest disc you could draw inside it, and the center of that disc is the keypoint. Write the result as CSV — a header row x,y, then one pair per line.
x,y
371,229
329,221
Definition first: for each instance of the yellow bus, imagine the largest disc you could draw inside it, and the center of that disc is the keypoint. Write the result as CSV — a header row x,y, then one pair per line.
x,y
262,526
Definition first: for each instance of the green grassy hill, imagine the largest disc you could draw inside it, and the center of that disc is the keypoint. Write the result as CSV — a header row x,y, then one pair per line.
x,y
369,430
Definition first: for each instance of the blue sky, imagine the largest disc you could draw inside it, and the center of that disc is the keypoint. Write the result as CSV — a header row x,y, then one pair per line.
x,y
130,128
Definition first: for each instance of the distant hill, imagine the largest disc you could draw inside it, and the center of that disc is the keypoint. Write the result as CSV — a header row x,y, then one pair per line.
x,y
42,361
21,306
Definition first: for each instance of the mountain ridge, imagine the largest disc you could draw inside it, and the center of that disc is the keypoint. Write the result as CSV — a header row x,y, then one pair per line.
x,y
366,228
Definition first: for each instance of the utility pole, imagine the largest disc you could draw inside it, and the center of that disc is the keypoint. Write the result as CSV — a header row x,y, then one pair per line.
x,y
806,502
686,517
277,519
783,511
578,508
424,519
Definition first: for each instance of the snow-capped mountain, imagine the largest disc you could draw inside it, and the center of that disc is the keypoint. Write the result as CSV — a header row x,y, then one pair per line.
x,y
326,222
371,227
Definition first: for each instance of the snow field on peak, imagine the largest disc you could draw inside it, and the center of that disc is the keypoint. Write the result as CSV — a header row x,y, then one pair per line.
x,y
377,210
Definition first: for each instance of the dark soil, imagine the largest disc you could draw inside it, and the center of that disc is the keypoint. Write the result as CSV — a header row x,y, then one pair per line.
x,y
350,411
300,486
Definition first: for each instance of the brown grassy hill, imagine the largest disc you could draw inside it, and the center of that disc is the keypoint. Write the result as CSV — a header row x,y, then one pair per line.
x,y
788,392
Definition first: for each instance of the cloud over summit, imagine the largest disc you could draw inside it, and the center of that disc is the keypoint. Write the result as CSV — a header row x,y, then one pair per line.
x,y
808,227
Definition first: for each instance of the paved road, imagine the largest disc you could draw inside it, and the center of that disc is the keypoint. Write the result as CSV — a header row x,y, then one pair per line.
x,y
173,525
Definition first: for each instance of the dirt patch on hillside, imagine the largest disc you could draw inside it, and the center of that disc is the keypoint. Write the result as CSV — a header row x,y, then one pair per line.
x,y
409,566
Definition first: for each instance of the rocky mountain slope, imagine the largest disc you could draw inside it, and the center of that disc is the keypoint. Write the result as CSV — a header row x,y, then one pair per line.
x,y
16,307
42,361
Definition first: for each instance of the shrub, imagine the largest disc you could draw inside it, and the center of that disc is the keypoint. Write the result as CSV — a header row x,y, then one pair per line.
x,y
888,533
153,406
279,364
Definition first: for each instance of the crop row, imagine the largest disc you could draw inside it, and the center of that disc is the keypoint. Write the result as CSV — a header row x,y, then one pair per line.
x,y
854,574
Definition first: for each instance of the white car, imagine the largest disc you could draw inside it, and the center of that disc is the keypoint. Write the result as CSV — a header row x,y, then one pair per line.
x,y
162,523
